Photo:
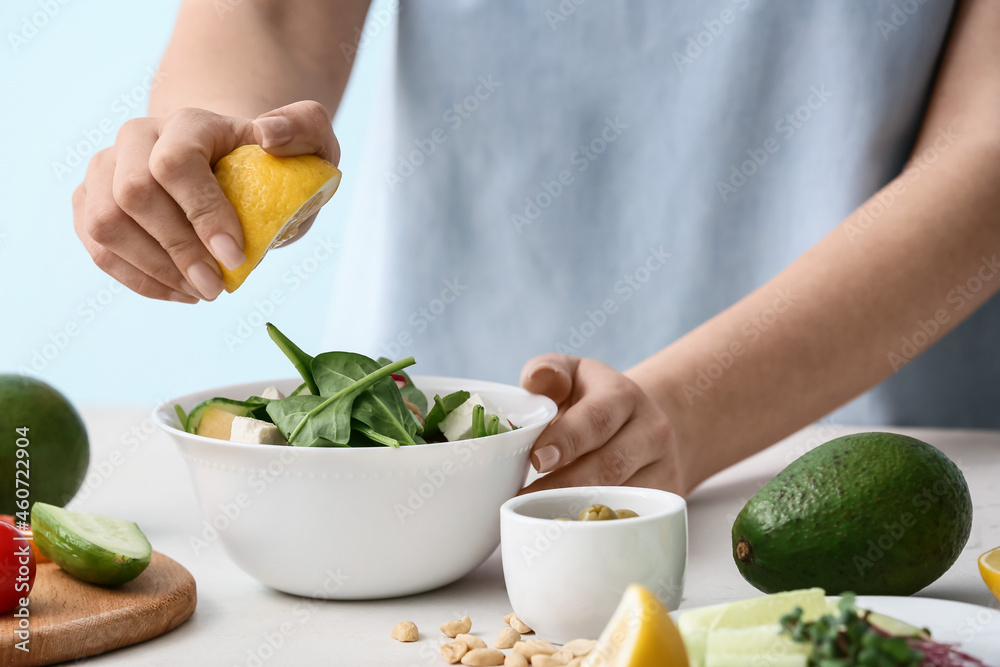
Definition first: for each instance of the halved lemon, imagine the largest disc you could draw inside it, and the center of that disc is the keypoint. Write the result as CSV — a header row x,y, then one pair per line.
x,y
641,633
989,568
272,197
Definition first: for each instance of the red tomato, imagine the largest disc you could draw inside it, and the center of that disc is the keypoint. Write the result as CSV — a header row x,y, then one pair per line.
x,y
17,567
26,531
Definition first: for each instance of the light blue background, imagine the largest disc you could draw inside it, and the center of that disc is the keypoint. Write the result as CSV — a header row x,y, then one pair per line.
x,y
63,83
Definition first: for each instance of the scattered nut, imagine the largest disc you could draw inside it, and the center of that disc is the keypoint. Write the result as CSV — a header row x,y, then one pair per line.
x,y
563,656
453,651
513,621
534,647
508,637
575,662
579,647
481,657
542,660
515,660
471,641
626,514
455,628
406,631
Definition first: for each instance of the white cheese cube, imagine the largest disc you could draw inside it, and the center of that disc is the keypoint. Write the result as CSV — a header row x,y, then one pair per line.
x,y
458,424
273,393
256,432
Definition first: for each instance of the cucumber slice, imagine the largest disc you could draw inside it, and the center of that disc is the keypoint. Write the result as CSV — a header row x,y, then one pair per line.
x,y
251,407
94,548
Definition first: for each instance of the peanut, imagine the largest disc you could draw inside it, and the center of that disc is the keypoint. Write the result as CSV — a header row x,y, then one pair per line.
x,y
471,642
453,651
534,647
579,647
563,656
508,637
406,631
513,621
481,657
455,628
515,660
542,660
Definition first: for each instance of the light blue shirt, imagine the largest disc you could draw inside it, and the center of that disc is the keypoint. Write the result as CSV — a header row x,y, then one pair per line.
x,y
599,178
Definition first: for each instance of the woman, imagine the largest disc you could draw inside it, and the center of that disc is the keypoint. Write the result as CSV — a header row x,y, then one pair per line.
x,y
764,209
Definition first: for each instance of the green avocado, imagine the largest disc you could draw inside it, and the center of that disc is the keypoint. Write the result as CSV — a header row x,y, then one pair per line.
x,y
44,450
872,513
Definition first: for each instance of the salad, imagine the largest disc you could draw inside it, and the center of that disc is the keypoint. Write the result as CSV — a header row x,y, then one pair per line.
x,y
345,400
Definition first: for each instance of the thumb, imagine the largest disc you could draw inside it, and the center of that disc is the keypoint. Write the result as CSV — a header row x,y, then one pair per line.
x,y
300,128
551,375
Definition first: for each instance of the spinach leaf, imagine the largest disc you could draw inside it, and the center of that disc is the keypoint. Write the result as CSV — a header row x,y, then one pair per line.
x,y
380,406
442,406
287,413
410,392
331,419
299,359
375,436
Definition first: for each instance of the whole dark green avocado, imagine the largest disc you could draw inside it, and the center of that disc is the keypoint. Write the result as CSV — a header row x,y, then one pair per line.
x,y
872,513
57,449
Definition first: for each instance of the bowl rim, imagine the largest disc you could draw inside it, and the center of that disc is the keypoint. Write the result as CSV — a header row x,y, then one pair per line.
x,y
673,504
163,415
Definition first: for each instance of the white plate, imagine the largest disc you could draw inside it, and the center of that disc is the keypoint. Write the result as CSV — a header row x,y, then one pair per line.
x,y
972,629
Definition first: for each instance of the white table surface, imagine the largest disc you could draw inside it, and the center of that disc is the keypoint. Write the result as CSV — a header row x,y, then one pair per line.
x,y
241,622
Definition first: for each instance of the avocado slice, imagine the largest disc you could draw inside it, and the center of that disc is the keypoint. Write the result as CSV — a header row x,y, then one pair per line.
x,y
91,547
872,513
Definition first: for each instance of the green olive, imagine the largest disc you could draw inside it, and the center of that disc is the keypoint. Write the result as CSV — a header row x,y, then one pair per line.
x,y
598,513
626,514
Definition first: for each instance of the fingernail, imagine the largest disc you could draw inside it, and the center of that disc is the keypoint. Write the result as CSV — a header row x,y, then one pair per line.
x,y
227,251
186,286
205,280
546,458
541,369
180,297
274,131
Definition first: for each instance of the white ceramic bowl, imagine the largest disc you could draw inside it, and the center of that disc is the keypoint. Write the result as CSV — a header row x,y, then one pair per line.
x,y
565,578
364,523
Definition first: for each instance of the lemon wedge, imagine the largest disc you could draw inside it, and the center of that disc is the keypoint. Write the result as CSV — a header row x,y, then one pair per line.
x,y
272,197
641,633
989,568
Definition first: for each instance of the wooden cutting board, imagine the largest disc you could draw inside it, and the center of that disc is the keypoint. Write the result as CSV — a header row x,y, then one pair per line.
x,y
70,619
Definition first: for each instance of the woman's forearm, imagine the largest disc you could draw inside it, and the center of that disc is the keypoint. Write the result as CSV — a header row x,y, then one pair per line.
x,y
246,58
886,283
